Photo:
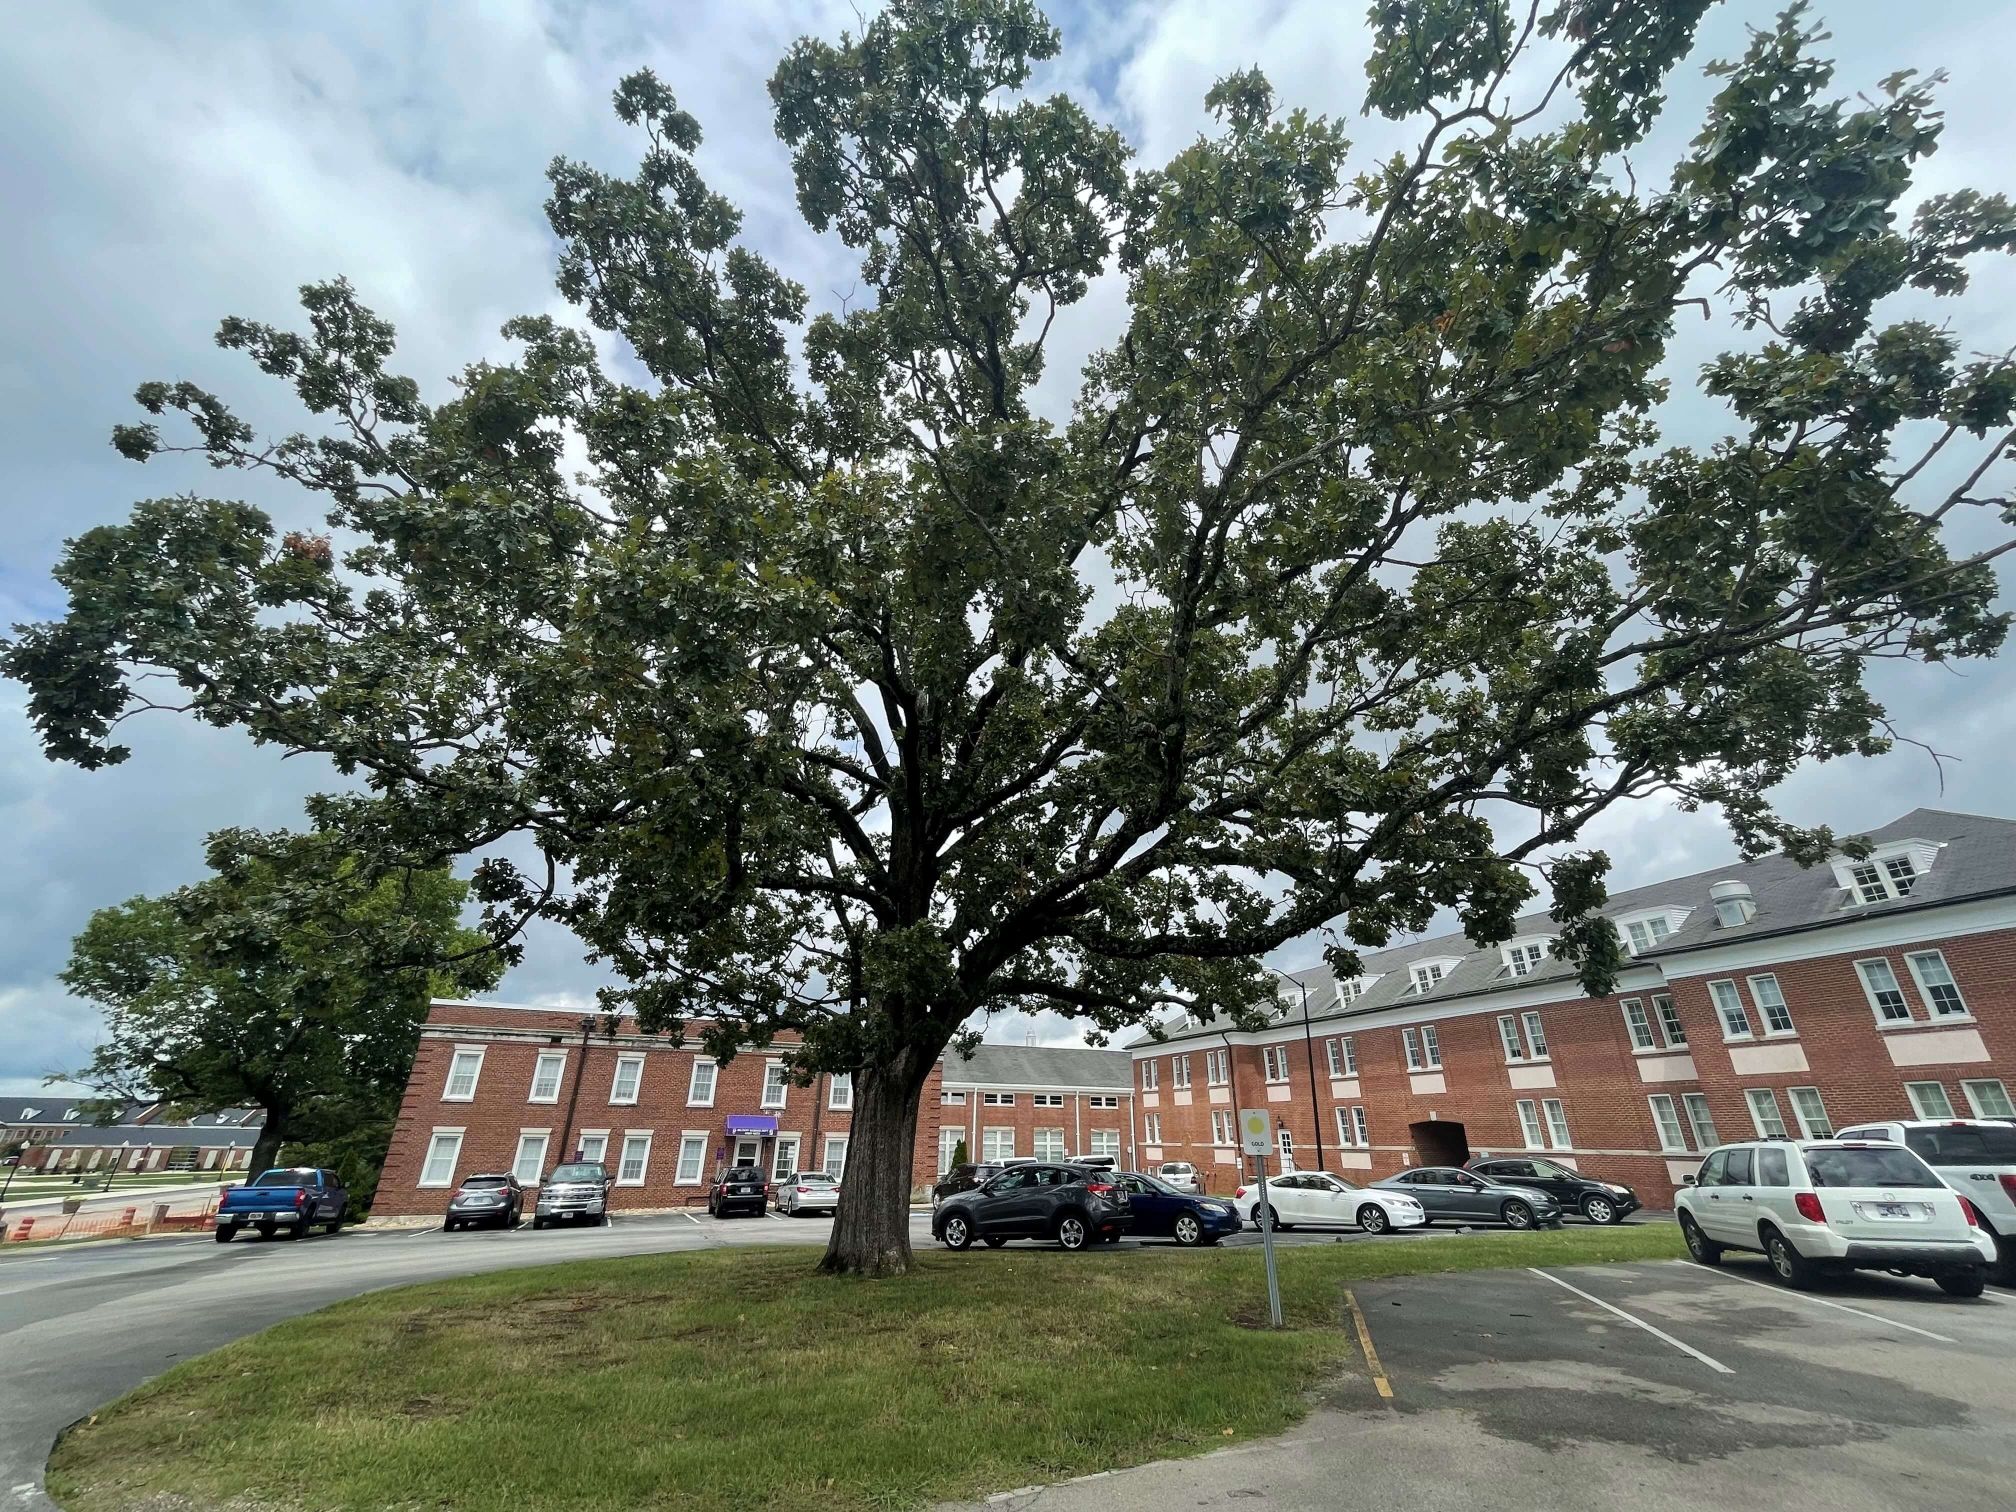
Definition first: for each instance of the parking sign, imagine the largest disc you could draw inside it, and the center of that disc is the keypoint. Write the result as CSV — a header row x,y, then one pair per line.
x,y
1255,1131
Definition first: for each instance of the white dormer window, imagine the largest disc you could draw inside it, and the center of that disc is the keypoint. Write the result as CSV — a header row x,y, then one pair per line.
x,y
1523,957
1348,992
1426,974
69,1115
28,1113
1890,871
1645,933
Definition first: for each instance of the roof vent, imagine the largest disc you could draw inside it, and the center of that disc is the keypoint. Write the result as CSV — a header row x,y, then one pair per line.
x,y
1733,903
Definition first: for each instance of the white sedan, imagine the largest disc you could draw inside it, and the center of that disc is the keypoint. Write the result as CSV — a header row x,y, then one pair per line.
x,y
1318,1199
808,1192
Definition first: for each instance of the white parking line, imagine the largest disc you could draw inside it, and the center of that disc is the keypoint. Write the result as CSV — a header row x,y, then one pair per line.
x,y
1792,1296
1658,1333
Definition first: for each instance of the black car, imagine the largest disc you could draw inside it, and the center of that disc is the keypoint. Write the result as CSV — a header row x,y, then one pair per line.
x,y
1598,1201
496,1198
739,1189
1074,1205
1160,1211
964,1177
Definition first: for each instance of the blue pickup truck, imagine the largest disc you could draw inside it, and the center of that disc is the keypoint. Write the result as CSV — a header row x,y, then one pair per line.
x,y
290,1200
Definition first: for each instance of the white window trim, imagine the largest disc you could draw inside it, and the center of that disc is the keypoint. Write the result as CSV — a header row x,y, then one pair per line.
x,y
1701,1141
1561,1137
1911,1090
1431,1048
1806,1129
1517,959
1763,1014
1532,1129
1676,1142
1037,1143
952,1099
1967,1091
693,1081
1869,992
545,1138
834,1083
1151,1076
1932,1013
997,1099
1651,1045
1510,1045
581,1138
1770,1096
448,1095
1179,1072
623,1157
1536,1036
559,1077
427,1158
616,1080
1722,1016
826,1144
1272,1056
1361,1125
1224,1132
679,1177
783,1088
1659,1020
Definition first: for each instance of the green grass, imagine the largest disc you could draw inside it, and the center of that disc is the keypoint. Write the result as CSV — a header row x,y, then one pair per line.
x,y
741,1379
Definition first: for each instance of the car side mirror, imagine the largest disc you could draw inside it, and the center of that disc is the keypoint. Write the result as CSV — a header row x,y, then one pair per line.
x,y
1687,1180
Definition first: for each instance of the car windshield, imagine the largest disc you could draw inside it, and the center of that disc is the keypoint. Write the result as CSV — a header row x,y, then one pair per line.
x,y
285,1178
1178,1170
1875,1166
578,1171
1967,1145
473,1183
744,1173
813,1178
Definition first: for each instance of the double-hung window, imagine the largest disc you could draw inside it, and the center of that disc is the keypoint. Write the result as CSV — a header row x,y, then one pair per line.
x,y
1508,1034
1361,1128
1334,1054
1275,1060
997,1145
1536,1037
1424,1048
700,1085
1557,1123
1049,1144
1179,1071
636,1160
1988,1099
775,1083
1666,1116
835,1156
444,1149
1811,1113
1770,1001
1729,1007
462,1073
1935,984
1222,1131
1669,1020
1151,1075
1529,1124
1701,1120
1636,1024
1645,933
1886,997
530,1163
629,1073
1151,1128
1426,976
1764,1113
840,1091
1929,1099
546,1073
1216,1070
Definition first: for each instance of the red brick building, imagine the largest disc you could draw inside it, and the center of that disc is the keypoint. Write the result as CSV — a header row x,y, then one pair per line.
x,y
1762,999
497,1087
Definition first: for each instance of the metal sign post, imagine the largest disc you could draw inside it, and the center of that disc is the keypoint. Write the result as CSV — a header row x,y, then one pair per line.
x,y
1255,1128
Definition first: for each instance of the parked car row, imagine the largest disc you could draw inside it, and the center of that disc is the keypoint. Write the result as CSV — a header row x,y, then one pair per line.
x,y
1867,1199
1073,1205
576,1191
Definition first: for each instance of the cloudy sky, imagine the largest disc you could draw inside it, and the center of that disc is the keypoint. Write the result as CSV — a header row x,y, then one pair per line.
x,y
163,166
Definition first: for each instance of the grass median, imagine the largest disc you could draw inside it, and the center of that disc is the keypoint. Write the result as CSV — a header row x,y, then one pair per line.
x,y
741,1379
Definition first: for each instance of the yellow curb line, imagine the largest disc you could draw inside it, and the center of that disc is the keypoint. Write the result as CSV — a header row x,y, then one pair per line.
x,y
1379,1380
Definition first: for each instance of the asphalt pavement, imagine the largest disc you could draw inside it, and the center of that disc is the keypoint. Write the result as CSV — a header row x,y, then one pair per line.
x,y
1651,1386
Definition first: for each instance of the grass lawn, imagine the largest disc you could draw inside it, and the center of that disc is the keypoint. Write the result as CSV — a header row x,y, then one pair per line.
x,y
741,1379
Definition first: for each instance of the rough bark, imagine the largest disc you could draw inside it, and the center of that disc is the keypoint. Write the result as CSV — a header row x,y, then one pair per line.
x,y
871,1232
266,1149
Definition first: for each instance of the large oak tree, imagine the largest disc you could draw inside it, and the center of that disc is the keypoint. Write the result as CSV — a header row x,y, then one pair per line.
x,y
844,694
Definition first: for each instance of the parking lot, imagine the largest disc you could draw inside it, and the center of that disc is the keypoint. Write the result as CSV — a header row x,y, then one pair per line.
x,y
1661,1384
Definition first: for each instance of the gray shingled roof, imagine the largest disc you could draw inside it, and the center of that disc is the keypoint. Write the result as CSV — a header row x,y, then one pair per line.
x,y
1978,860
168,1136
48,1113
1042,1066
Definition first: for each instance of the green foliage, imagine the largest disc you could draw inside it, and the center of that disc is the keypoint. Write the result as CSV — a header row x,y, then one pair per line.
x,y
292,980
959,1155
1358,581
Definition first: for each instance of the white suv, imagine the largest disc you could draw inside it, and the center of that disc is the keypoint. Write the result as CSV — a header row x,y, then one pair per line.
x,y
1814,1206
1974,1156
1181,1175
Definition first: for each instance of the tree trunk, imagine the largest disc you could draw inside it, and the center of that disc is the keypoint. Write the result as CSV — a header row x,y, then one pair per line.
x,y
266,1149
871,1232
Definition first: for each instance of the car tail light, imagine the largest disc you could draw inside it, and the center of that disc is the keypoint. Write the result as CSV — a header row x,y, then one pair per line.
x,y
803,1190
1099,1188
1239,1192
2008,1186
1973,1217
1809,1207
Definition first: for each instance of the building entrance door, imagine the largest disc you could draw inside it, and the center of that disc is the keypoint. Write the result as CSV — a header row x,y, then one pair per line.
x,y
1439,1142
746,1150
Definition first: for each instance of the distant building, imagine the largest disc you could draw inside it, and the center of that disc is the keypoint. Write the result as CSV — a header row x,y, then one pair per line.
x,y
497,1087
60,1134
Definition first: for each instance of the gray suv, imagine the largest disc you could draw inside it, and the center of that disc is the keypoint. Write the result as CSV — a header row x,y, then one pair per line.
x,y
577,1192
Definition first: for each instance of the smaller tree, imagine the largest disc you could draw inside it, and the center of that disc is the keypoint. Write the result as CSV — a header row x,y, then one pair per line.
x,y
293,980
959,1153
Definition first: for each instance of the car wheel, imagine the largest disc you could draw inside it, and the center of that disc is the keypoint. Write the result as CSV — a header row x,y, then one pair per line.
x,y
1272,1214
1517,1215
1072,1232
225,1233
1963,1283
1700,1248
1599,1210
1372,1218
1793,1268
1188,1230
538,1222
957,1233
265,1230
994,1241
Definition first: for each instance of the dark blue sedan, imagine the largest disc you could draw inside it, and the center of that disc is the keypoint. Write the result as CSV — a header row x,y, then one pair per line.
x,y
1162,1212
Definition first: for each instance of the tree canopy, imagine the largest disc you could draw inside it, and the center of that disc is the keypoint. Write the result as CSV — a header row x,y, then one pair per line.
x,y
292,980
844,693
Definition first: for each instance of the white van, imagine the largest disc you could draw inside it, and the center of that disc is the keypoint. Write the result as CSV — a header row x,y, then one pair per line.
x,y
1814,1206
1974,1156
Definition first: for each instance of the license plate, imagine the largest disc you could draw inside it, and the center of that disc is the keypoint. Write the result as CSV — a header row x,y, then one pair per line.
x,y
740,1191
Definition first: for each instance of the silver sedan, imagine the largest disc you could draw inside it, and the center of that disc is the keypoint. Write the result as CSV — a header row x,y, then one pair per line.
x,y
808,1192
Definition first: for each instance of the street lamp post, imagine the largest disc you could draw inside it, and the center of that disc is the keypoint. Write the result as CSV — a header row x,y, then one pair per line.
x,y
1309,1055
